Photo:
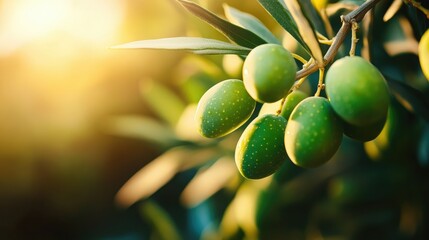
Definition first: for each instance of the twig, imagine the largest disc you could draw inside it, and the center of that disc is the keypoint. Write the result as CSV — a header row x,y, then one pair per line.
x,y
320,85
354,38
354,16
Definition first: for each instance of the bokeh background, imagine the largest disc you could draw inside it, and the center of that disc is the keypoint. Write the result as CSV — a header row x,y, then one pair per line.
x,y
59,84
78,119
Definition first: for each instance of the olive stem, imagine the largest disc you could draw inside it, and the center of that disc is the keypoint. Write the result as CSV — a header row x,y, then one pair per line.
x,y
326,42
297,84
354,16
305,63
354,38
279,111
320,36
299,58
320,85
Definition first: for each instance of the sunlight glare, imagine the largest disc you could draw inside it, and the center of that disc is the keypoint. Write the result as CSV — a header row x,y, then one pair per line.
x,y
22,21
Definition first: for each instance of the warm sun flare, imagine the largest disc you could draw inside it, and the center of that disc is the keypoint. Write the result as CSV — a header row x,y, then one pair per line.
x,y
53,52
21,21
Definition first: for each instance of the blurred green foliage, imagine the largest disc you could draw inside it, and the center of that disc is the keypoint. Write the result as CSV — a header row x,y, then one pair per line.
x,y
372,190
135,143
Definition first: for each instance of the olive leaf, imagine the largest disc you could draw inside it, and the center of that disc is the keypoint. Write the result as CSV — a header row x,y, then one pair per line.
x,y
398,37
305,29
281,14
160,171
239,35
249,22
142,128
208,181
410,97
313,16
161,221
157,96
418,19
192,44
392,10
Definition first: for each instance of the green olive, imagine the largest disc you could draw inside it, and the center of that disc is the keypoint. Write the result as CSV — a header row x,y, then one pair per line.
x,y
224,108
313,133
269,72
260,151
357,91
291,101
364,133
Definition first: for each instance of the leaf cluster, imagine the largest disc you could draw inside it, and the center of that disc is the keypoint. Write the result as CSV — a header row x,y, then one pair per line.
x,y
325,202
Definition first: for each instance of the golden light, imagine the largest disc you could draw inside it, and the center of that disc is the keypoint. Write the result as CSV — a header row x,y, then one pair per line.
x,y
25,20
52,54
60,80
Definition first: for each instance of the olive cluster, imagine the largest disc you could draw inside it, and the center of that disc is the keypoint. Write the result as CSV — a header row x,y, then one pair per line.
x,y
308,130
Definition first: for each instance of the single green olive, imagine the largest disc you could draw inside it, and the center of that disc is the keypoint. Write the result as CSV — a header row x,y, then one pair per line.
x,y
364,133
269,72
291,101
224,108
313,133
260,151
357,91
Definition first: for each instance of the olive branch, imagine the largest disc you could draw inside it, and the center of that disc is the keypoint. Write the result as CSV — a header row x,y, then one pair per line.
x,y
348,21
249,32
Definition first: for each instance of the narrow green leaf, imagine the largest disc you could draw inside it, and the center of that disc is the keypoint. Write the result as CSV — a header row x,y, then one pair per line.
x,y
160,171
249,22
208,181
152,176
158,96
192,44
162,223
410,97
392,10
142,128
278,11
313,16
306,30
398,37
239,35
